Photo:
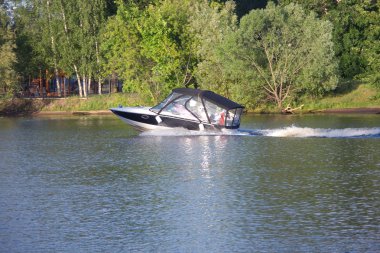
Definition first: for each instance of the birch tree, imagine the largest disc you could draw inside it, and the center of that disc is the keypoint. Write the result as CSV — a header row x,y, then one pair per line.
x,y
52,30
81,22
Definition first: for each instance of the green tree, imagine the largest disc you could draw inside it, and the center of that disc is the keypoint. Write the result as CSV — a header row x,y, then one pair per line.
x,y
8,76
210,24
52,27
30,50
80,24
37,30
120,49
166,45
357,39
356,35
153,44
283,52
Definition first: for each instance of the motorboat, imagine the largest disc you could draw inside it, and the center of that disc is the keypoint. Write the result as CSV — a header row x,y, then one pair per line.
x,y
192,109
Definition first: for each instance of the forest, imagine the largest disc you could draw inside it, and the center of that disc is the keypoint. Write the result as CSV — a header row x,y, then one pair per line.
x,y
254,52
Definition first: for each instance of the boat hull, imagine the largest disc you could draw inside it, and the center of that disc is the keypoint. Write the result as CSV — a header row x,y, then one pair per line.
x,y
142,119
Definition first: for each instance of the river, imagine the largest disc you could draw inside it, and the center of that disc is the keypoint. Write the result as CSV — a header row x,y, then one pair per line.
x,y
308,183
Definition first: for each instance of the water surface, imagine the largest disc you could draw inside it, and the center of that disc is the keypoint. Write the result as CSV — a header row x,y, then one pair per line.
x,y
93,184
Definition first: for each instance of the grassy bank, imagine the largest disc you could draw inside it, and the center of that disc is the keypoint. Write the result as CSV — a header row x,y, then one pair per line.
x,y
358,96
361,96
93,102
14,107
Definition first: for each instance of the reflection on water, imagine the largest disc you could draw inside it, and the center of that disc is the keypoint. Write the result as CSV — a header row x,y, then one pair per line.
x,y
93,184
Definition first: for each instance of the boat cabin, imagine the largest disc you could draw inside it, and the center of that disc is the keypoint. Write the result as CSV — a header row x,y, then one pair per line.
x,y
203,106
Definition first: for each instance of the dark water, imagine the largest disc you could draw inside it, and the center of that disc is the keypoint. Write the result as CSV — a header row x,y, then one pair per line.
x,y
93,184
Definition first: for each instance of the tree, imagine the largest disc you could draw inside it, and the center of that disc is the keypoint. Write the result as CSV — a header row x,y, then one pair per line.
x,y
357,39
356,35
80,24
52,26
153,44
37,30
8,76
166,45
283,52
30,50
209,25
120,50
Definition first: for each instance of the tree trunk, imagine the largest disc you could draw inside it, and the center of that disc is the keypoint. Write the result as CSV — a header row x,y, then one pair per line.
x,y
100,86
57,80
89,85
84,86
64,87
79,81
98,66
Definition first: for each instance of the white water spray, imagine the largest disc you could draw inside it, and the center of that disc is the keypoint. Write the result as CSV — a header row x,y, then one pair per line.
x,y
185,132
294,131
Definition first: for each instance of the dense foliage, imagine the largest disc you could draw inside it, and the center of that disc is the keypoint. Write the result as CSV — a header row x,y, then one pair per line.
x,y
252,51
356,35
8,75
282,52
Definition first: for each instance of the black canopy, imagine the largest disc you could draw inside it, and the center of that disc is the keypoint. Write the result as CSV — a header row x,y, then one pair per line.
x,y
211,96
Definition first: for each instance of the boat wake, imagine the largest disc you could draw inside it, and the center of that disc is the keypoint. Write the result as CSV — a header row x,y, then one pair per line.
x,y
291,131
294,131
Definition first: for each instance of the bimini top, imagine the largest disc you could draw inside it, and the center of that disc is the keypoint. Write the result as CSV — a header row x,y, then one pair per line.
x,y
211,96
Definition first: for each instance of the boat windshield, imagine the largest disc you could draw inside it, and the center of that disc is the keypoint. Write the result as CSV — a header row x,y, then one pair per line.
x,y
178,108
161,105
195,106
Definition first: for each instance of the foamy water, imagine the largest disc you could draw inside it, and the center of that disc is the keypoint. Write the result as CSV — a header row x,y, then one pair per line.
x,y
291,131
294,131
186,132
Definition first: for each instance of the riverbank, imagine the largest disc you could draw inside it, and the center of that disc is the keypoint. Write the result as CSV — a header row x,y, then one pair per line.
x,y
362,99
375,110
94,104
97,112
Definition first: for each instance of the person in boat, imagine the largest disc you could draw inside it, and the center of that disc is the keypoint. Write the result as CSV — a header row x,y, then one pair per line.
x,y
219,117
222,118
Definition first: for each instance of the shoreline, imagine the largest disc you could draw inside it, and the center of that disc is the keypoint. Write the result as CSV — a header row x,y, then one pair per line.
x,y
369,110
79,113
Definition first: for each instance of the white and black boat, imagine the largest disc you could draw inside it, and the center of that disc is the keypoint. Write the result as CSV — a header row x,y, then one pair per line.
x,y
191,109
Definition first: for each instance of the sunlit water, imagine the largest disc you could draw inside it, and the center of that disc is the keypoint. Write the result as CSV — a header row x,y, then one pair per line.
x,y
282,184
